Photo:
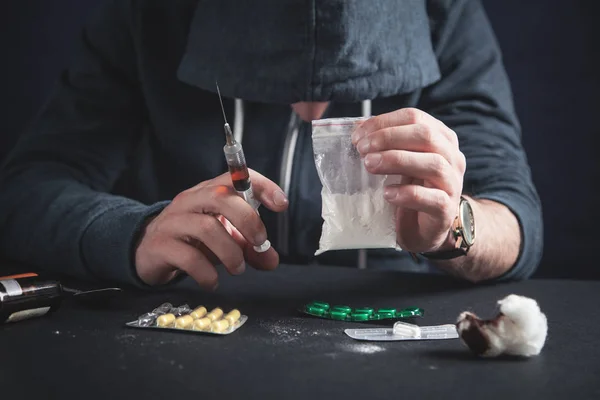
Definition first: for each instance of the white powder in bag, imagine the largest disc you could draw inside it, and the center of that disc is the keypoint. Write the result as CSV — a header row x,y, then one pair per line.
x,y
355,213
363,220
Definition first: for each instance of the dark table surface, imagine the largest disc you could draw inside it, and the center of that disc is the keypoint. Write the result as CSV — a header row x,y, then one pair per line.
x,y
84,351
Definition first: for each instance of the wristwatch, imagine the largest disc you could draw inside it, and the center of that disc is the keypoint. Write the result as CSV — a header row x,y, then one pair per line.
x,y
463,229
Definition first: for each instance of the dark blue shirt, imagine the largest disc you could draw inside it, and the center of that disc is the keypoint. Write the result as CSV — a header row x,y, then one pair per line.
x,y
134,120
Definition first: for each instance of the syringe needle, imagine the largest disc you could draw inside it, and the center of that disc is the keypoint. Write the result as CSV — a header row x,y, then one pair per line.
x,y
228,134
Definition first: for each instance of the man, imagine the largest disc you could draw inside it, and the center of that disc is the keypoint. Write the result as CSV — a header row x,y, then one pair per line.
x,y
105,183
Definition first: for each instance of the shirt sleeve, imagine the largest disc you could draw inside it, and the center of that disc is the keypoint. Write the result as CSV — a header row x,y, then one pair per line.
x,y
474,98
56,210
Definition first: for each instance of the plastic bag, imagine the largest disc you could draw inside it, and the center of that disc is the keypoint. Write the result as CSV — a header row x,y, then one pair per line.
x,y
354,211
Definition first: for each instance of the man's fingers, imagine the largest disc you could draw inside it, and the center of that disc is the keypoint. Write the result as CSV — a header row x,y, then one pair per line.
x,y
419,138
206,232
221,239
430,167
214,235
266,191
223,200
404,116
191,260
431,201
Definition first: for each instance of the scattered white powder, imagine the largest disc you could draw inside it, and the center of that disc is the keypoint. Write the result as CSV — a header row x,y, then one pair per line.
x,y
364,348
362,220
286,331
283,333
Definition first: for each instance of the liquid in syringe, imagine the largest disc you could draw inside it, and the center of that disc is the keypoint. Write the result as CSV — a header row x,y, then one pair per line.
x,y
236,162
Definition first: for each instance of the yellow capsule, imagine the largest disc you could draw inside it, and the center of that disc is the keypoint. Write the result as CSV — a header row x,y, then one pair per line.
x,y
219,326
165,320
201,324
232,316
184,322
215,314
198,312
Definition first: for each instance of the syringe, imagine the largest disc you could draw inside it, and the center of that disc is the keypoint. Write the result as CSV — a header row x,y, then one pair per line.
x,y
236,162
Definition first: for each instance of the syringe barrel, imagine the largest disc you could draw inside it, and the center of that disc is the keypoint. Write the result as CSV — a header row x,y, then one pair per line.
x,y
234,155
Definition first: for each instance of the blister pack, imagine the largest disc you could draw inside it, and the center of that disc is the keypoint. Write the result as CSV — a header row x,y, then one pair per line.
x,y
404,331
184,318
359,314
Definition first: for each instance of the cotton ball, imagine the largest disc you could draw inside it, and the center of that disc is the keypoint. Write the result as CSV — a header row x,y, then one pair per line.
x,y
519,329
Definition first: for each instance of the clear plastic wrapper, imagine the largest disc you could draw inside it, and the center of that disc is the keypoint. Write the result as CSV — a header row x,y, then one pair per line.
x,y
355,213
149,319
163,308
181,310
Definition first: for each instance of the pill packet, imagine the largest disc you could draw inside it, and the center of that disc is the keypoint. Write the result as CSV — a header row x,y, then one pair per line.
x,y
360,314
355,213
404,331
185,319
149,318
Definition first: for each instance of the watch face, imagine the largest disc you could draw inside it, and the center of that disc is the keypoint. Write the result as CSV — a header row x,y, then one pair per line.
x,y
468,222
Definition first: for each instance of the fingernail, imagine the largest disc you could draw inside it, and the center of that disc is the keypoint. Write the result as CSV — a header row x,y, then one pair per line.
x,y
372,160
240,268
363,146
279,198
358,134
389,194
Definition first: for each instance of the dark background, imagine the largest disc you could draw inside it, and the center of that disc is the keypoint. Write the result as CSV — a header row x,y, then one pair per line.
x,y
550,49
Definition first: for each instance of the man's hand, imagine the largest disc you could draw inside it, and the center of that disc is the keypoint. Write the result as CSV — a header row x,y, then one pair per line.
x,y
207,225
425,153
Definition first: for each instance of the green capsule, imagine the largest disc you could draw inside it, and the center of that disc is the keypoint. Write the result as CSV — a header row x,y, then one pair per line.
x,y
345,309
356,316
404,314
338,314
410,312
416,310
311,309
383,313
364,310
320,304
